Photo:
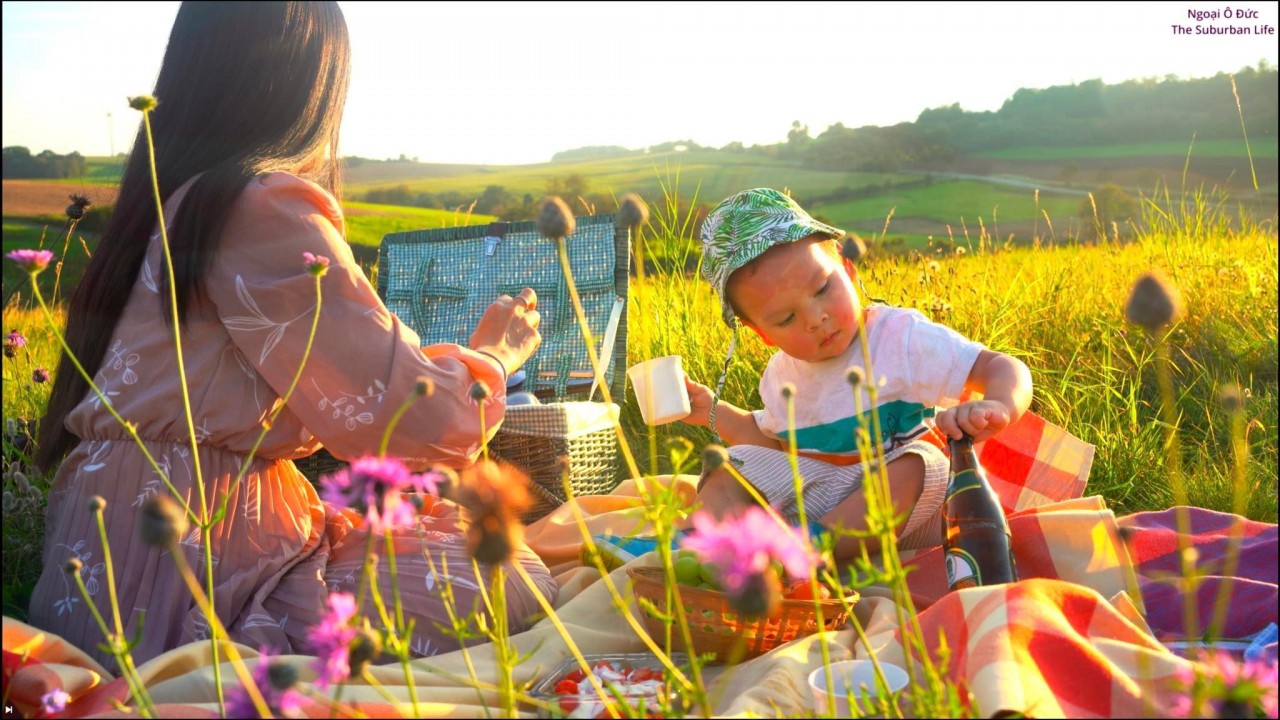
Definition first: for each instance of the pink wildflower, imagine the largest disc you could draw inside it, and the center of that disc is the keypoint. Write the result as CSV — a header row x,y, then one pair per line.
x,y
13,341
743,549
1218,685
32,261
316,265
275,681
40,375
54,701
377,488
331,640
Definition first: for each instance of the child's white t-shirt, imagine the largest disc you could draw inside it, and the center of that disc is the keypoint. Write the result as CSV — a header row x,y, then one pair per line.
x,y
917,365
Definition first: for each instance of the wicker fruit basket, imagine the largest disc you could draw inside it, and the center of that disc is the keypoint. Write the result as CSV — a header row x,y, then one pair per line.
x,y
717,628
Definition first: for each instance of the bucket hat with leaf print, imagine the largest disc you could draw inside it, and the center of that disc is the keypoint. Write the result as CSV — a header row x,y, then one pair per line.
x,y
743,226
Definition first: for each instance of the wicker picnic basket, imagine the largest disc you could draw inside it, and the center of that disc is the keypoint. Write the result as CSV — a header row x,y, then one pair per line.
x,y
544,440
717,628
439,282
317,465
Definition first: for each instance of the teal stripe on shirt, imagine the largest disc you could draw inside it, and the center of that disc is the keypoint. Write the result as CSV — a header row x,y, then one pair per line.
x,y
897,417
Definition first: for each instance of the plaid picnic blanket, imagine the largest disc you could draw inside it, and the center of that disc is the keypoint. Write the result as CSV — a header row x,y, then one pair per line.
x,y
1071,639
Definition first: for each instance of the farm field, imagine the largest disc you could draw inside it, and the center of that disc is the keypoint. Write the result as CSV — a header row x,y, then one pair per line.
x,y
1260,148
986,197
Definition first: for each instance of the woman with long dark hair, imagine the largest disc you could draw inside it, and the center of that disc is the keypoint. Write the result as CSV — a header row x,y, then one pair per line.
x,y
246,132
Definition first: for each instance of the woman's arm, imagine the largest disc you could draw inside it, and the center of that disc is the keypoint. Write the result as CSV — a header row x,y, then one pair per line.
x,y
364,363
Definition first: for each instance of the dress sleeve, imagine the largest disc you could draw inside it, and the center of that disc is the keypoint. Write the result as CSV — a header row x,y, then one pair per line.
x,y
364,363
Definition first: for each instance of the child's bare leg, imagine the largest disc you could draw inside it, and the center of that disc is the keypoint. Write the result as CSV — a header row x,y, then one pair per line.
x,y
906,482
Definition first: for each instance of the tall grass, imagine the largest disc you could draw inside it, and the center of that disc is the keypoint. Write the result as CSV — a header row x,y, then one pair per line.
x,y
1059,308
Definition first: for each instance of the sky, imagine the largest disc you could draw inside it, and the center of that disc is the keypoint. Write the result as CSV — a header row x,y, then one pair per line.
x,y
514,83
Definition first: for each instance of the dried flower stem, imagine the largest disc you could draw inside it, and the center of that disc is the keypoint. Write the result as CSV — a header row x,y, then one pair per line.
x,y
798,488
119,650
1235,534
1182,516
395,420
447,599
560,629
129,427
621,605
266,427
402,634
66,241
218,635
204,519
563,251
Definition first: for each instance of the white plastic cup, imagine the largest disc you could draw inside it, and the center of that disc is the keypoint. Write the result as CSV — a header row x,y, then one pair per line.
x,y
848,677
660,390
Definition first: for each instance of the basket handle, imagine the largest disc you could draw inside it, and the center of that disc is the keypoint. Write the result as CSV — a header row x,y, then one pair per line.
x,y
545,494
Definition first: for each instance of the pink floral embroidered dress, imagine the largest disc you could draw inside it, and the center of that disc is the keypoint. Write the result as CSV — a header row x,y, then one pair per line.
x,y
280,550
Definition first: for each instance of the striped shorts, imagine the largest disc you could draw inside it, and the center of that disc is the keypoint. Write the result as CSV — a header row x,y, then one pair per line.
x,y
826,485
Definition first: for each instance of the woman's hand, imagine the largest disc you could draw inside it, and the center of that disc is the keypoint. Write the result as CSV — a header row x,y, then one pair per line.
x,y
509,329
700,398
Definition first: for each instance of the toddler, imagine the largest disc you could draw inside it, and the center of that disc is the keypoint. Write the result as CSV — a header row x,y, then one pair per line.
x,y
780,272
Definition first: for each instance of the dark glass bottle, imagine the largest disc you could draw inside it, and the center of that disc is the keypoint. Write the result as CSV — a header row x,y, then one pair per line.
x,y
975,532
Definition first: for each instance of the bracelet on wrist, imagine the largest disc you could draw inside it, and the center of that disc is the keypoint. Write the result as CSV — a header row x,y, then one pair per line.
x,y
500,365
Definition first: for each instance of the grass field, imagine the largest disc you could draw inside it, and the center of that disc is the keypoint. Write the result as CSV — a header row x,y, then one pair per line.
x,y
367,223
712,174
1060,309
1260,148
931,209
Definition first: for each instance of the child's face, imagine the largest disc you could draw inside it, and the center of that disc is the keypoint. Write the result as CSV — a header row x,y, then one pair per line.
x,y
799,296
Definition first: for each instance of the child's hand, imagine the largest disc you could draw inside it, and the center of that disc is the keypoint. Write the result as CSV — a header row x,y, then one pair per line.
x,y
979,419
700,400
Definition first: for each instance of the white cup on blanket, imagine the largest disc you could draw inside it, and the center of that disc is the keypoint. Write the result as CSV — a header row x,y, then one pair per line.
x,y
849,678
660,390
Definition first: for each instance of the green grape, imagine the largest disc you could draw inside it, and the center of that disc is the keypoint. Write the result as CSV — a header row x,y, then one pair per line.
x,y
687,570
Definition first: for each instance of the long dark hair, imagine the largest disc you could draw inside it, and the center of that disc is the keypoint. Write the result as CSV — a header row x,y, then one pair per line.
x,y
245,88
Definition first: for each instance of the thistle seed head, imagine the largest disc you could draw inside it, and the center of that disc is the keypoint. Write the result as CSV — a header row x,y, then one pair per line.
x,y
365,648
714,457
1154,302
143,103
282,675
633,212
79,204
555,221
853,248
855,376
1230,397
162,522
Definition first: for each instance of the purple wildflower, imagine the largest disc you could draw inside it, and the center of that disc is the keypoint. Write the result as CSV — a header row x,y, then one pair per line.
x,y
32,261
744,547
1218,685
285,702
13,341
40,375
377,488
316,265
331,640
54,701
